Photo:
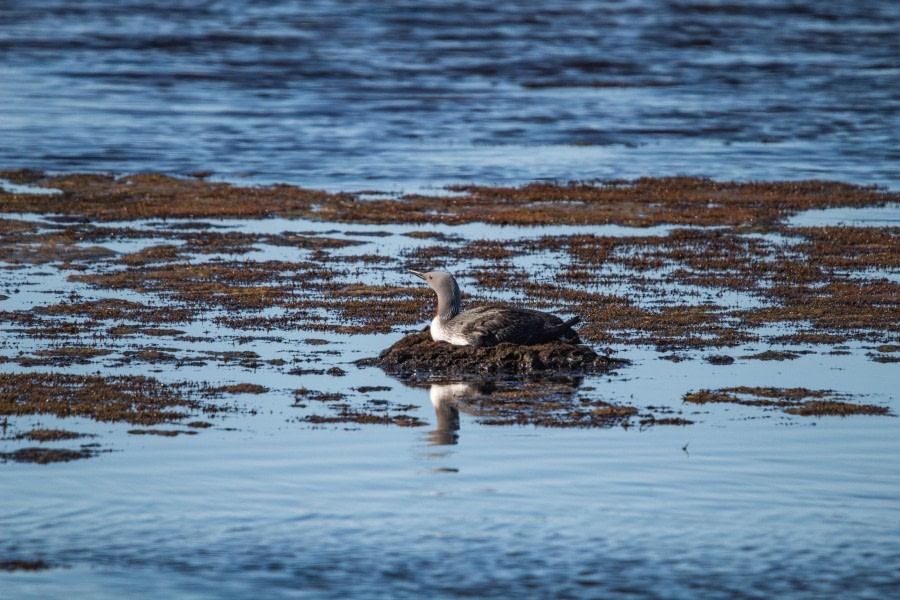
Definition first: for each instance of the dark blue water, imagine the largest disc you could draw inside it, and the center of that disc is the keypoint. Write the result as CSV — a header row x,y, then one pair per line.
x,y
397,95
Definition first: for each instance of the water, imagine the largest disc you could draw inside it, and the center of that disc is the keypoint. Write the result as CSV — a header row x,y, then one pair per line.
x,y
886,216
744,503
755,510
404,95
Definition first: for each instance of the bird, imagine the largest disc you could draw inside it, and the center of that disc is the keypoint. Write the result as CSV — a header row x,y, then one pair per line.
x,y
490,325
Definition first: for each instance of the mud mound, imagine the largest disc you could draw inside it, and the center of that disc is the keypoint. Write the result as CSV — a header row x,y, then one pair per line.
x,y
417,356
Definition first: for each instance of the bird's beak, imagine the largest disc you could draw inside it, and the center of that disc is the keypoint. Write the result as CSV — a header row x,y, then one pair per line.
x,y
417,274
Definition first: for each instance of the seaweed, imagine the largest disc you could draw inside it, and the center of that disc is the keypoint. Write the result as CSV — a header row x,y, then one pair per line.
x,y
417,356
794,401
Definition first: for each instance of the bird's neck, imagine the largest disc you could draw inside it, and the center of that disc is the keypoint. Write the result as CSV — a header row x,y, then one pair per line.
x,y
448,307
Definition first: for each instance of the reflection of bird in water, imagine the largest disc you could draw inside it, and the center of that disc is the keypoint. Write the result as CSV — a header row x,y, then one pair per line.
x,y
445,397
490,325
449,399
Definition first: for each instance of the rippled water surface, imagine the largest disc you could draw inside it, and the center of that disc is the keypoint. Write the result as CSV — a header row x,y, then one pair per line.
x,y
409,95
743,503
346,95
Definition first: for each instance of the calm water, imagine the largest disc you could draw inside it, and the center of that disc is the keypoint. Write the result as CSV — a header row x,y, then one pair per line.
x,y
399,95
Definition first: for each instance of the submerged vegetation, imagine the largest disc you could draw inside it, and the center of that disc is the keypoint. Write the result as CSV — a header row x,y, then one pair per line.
x,y
641,203
152,282
794,401
131,399
43,456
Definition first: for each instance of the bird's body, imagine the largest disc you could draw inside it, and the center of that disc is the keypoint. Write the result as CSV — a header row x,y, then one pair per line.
x,y
490,325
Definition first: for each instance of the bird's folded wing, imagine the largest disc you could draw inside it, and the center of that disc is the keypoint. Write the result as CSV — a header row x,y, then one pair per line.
x,y
494,325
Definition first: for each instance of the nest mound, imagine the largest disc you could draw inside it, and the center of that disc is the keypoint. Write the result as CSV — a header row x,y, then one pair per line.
x,y
417,356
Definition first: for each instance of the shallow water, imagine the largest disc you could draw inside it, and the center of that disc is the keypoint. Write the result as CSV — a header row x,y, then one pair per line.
x,y
410,95
884,216
744,503
753,510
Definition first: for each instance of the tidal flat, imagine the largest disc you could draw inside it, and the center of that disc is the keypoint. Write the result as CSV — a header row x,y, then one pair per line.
x,y
207,349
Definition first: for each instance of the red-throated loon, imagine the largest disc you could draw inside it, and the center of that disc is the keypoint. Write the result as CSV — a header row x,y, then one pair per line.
x,y
490,325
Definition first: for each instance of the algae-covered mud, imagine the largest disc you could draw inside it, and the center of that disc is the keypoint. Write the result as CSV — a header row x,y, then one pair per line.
x,y
229,354
417,356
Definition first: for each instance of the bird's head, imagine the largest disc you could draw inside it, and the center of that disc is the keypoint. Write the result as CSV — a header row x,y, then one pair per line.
x,y
441,282
446,288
